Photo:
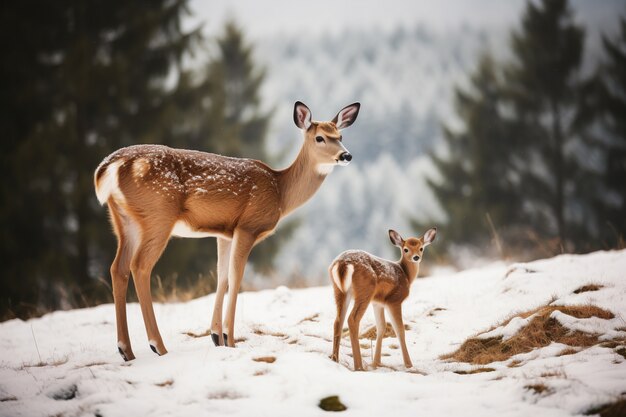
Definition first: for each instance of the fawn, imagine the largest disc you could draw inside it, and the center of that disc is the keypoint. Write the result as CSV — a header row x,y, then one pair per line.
x,y
365,277
155,192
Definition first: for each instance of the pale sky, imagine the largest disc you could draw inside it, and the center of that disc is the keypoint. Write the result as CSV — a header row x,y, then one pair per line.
x,y
262,18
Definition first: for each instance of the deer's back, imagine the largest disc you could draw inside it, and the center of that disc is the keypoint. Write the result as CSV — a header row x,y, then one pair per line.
x,y
209,192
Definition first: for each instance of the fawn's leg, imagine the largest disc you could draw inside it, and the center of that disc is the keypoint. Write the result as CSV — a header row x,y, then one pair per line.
x,y
379,314
342,300
353,324
395,311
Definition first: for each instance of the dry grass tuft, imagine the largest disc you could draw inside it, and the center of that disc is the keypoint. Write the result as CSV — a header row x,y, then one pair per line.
x,y
540,332
266,359
166,383
261,332
538,389
196,335
568,351
587,288
370,332
515,364
474,371
314,318
621,351
553,374
615,409
435,310
9,398
224,395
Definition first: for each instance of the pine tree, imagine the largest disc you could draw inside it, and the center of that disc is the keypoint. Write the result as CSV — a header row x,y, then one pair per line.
x,y
477,184
603,113
542,85
84,78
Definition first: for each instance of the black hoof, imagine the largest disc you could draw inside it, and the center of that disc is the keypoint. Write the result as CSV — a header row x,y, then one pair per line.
x,y
119,349
154,349
216,339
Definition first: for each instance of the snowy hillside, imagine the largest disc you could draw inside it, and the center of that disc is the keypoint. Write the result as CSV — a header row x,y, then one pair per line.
x,y
66,363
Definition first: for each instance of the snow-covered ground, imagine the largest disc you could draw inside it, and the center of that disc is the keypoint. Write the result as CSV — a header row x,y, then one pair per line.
x,y
66,363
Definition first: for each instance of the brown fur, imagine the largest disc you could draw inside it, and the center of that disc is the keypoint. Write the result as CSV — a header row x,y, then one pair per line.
x,y
240,201
384,282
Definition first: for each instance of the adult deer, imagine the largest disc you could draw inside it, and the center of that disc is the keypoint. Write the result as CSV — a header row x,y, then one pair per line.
x,y
365,277
154,192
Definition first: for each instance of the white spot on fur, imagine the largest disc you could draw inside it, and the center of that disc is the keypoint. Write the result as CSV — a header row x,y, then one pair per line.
x,y
141,166
108,184
335,275
324,169
347,282
182,229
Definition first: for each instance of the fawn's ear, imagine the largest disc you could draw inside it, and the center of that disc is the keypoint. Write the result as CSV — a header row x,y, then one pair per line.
x,y
301,115
347,116
395,238
430,235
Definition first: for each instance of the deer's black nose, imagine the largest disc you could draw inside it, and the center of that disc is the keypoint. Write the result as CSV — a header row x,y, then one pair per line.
x,y
416,258
345,157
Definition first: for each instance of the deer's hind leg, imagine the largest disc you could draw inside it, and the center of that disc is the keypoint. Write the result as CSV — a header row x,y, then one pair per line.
x,y
153,242
127,233
342,300
379,315
354,321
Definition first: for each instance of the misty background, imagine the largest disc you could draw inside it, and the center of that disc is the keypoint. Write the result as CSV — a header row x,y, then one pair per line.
x,y
468,122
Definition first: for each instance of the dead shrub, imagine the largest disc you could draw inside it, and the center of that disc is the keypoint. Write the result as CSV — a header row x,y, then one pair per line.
x,y
615,409
370,332
538,388
539,332
587,288
266,359
474,371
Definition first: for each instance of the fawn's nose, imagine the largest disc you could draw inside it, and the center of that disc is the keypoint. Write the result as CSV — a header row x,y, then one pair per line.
x,y
416,258
345,158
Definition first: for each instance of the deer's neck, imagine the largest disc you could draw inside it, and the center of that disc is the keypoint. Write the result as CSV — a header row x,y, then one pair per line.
x,y
298,182
410,269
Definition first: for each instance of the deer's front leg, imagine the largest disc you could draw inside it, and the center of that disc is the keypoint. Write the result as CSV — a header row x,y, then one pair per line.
x,y
241,246
223,258
398,326
379,314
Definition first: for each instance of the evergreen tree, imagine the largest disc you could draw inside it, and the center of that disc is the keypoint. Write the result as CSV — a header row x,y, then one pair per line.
x,y
477,188
79,80
542,86
603,113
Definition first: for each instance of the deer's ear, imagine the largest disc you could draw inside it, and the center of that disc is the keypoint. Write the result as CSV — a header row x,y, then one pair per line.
x,y
395,238
347,115
301,115
430,235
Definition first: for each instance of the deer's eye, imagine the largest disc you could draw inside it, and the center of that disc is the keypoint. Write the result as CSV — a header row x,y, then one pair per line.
x,y
406,250
319,139
421,249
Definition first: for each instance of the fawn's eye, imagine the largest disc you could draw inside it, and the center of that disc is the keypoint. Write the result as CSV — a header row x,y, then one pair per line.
x,y
421,249
406,250
319,139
